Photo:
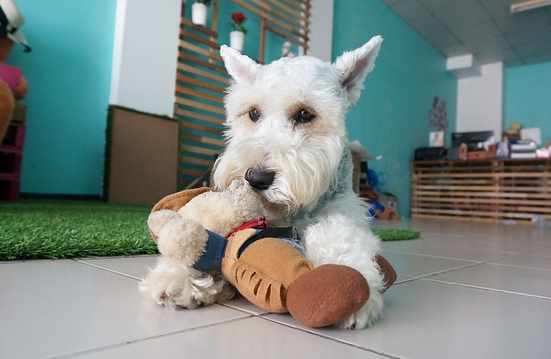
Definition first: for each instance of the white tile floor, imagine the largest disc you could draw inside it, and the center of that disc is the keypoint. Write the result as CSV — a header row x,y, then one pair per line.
x,y
464,291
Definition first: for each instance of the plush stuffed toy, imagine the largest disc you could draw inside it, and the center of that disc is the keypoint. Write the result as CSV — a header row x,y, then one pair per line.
x,y
226,233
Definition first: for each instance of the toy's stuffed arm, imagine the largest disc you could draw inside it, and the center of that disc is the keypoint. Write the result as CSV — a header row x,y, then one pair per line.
x,y
180,239
220,212
157,220
187,242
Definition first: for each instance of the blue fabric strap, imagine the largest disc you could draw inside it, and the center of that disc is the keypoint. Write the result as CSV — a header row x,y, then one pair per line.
x,y
214,252
211,260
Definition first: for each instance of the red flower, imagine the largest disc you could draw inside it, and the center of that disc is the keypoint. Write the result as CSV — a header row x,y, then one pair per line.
x,y
238,17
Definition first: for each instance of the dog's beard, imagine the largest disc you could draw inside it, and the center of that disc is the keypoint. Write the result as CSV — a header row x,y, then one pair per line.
x,y
304,165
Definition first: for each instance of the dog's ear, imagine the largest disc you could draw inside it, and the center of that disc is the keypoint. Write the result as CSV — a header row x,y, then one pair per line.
x,y
355,65
240,67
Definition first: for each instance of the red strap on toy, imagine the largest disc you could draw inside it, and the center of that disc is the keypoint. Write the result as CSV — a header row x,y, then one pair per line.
x,y
258,223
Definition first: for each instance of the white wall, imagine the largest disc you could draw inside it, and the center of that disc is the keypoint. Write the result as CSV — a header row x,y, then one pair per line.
x,y
321,29
480,100
145,55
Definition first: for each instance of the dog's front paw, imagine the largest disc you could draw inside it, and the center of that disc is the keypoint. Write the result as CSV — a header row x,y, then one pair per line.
x,y
170,288
367,315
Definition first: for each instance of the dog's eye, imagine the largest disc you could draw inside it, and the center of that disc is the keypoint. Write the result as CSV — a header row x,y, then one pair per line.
x,y
303,116
254,114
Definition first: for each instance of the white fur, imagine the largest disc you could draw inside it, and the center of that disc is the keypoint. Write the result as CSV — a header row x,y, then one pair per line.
x,y
356,65
305,157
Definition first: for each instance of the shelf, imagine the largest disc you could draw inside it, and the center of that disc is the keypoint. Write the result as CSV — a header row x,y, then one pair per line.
x,y
485,190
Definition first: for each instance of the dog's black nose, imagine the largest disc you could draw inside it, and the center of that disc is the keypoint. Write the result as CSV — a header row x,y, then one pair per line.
x,y
260,178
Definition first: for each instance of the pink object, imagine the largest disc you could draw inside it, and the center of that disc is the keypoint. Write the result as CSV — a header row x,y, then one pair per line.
x,y
11,75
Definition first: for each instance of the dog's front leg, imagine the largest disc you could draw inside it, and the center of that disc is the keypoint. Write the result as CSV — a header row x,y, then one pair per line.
x,y
346,240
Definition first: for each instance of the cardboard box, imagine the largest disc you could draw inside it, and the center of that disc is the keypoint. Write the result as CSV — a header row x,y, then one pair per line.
x,y
141,164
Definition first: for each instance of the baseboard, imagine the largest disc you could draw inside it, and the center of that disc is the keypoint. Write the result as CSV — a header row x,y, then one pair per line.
x,y
73,197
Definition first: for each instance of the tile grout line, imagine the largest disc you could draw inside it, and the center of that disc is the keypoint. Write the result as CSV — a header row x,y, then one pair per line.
x,y
225,305
519,266
504,291
422,276
430,256
438,257
134,341
333,339
106,269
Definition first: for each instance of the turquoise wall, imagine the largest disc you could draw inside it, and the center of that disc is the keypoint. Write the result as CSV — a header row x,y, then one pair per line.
x,y
69,73
528,97
391,118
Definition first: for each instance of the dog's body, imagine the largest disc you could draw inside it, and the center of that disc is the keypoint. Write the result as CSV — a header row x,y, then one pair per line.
x,y
286,135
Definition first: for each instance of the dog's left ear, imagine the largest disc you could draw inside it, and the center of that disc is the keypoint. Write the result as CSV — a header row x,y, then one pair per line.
x,y
240,67
355,65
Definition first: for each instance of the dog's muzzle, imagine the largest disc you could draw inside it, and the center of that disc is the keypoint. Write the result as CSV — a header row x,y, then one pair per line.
x,y
260,178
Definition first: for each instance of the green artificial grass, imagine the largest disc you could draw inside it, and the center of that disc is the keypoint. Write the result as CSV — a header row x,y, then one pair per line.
x,y
387,235
70,229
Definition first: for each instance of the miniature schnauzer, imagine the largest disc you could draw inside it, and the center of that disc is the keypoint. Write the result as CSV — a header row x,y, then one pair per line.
x,y
286,135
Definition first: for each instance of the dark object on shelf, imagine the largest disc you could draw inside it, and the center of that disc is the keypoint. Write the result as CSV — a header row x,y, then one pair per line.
x,y
454,154
488,154
472,139
431,153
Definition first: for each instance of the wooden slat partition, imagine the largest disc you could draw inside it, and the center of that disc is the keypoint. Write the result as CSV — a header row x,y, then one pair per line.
x,y
199,102
488,191
288,19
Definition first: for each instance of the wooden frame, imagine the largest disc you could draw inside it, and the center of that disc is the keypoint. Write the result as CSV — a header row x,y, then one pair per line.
x,y
199,103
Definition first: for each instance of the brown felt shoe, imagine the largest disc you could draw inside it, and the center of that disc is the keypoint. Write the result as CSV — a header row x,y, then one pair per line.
x,y
327,295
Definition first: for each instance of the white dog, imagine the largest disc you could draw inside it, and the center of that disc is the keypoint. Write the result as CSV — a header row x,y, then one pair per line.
x,y
286,135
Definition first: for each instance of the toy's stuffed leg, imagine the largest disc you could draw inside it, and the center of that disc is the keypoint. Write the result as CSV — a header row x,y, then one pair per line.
x,y
275,276
263,270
